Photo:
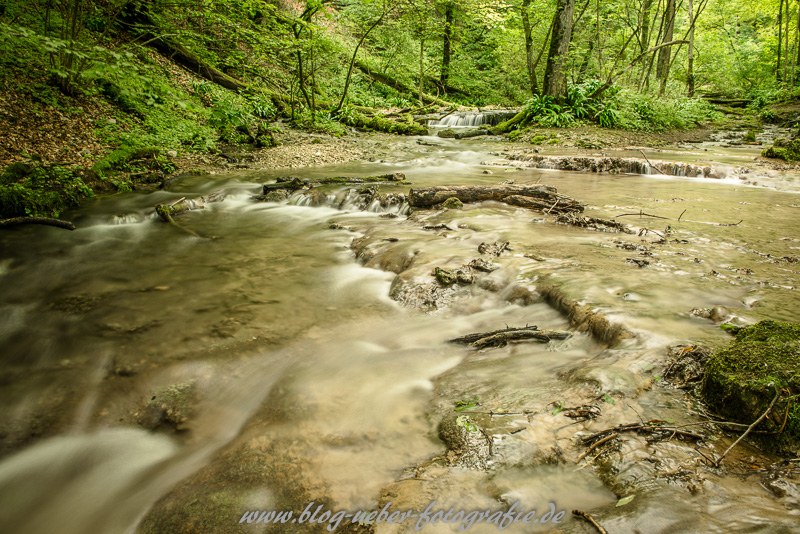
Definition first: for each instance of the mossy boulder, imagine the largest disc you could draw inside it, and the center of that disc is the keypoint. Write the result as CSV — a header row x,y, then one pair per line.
x,y
783,150
452,203
741,380
447,133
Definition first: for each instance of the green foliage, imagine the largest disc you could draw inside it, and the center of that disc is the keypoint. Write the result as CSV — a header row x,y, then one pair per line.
x,y
466,404
37,190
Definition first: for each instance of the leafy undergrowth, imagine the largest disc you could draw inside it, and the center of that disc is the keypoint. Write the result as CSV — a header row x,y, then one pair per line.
x,y
742,379
40,190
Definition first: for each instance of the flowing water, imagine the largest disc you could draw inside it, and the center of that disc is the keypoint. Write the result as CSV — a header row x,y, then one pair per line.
x,y
157,382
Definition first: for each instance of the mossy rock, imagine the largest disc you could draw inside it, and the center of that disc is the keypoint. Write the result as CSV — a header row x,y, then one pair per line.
x,y
785,151
452,203
172,405
750,136
447,133
741,380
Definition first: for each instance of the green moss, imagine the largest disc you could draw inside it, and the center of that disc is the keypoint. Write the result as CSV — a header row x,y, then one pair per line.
x,y
539,139
740,380
750,137
788,152
452,203
407,127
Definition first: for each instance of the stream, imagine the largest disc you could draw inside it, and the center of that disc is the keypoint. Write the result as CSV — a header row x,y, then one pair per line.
x,y
157,382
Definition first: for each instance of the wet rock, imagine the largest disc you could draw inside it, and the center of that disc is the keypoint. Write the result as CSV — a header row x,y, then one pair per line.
x,y
479,264
445,277
493,249
687,365
467,445
77,304
172,405
276,196
447,133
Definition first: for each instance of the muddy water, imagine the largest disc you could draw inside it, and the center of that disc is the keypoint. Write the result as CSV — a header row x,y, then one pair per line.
x,y
156,382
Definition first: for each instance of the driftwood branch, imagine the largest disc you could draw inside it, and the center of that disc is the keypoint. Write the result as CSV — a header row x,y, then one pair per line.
x,y
751,427
502,337
586,517
650,162
597,444
653,426
643,214
48,221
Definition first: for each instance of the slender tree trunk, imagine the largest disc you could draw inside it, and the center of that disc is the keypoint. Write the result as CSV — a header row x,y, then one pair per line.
x,y
690,69
555,74
421,67
449,11
585,63
662,67
644,35
780,42
526,27
796,55
353,60
786,44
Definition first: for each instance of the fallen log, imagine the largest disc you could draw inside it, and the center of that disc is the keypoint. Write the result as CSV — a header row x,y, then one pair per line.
x,y
500,338
538,197
472,133
292,183
48,221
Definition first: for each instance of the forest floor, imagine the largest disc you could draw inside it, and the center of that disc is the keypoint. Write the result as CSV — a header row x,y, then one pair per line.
x,y
33,127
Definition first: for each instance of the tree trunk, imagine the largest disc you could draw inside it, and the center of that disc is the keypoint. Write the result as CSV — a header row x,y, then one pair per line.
x,y
644,35
421,67
449,10
786,44
690,69
526,27
796,55
780,41
555,75
662,67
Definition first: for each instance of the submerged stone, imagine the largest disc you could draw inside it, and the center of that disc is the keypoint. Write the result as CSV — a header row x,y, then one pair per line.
x,y
742,379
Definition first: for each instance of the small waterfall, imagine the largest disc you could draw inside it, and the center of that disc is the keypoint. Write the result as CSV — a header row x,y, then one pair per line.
x,y
472,120
352,200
